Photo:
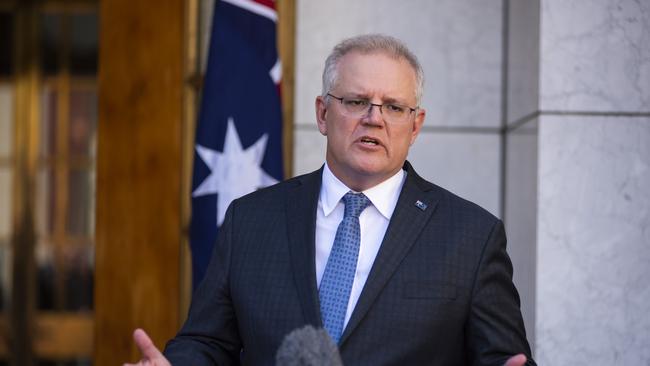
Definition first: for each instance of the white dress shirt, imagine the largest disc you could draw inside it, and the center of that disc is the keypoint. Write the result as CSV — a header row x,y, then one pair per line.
x,y
373,221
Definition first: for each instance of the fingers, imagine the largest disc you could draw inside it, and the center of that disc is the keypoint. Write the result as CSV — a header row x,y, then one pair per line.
x,y
518,360
146,346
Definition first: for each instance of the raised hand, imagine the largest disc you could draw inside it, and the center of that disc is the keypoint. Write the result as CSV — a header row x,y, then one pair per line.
x,y
151,356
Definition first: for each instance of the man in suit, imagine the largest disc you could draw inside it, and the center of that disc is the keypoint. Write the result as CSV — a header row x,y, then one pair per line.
x,y
430,283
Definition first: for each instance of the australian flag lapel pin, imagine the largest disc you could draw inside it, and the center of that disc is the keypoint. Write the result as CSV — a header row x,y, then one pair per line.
x,y
421,205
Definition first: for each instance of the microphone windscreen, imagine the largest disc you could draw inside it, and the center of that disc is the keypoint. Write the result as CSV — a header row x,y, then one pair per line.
x,y
308,346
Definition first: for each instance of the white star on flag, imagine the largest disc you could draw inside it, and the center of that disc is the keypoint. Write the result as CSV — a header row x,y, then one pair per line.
x,y
233,172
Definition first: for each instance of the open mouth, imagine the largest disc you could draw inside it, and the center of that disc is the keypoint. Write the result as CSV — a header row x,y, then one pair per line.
x,y
369,141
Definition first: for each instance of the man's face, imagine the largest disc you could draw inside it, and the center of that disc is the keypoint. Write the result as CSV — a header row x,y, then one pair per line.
x,y
364,151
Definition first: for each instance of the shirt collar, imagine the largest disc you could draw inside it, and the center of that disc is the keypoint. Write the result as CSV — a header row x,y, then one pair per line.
x,y
383,196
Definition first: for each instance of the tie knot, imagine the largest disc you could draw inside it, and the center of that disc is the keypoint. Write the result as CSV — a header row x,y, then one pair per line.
x,y
355,203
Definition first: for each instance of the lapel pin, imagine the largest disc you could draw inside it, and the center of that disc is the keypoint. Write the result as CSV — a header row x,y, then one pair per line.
x,y
421,205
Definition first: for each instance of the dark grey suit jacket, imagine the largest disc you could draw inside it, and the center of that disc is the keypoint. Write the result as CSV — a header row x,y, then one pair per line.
x,y
439,293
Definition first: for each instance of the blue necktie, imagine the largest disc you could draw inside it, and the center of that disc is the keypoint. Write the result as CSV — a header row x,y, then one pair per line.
x,y
336,284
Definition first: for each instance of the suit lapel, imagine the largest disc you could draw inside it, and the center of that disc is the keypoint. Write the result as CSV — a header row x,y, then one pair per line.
x,y
416,204
302,202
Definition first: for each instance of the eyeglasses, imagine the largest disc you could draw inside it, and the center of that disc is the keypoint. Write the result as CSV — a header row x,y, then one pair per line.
x,y
392,112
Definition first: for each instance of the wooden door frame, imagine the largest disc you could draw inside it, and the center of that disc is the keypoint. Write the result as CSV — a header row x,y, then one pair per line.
x,y
139,159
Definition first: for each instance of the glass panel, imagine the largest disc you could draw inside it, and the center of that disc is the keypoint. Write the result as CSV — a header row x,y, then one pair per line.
x,y
81,202
50,43
83,58
49,121
5,273
83,121
6,44
5,235
45,277
64,191
65,276
6,186
6,120
78,276
45,202
6,202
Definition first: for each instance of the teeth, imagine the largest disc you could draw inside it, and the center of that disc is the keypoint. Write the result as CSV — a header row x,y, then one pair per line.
x,y
369,141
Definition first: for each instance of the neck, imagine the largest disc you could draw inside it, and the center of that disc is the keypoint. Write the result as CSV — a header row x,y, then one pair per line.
x,y
359,182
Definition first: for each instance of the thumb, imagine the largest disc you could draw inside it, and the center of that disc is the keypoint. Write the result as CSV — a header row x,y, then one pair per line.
x,y
518,360
145,344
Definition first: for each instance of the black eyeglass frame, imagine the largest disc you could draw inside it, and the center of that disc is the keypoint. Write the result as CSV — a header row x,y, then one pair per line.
x,y
380,106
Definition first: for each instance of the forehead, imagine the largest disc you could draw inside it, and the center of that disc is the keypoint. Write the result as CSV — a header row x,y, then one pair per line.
x,y
376,73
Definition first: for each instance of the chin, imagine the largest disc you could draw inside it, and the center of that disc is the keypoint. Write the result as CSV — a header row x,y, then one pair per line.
x,y
371,169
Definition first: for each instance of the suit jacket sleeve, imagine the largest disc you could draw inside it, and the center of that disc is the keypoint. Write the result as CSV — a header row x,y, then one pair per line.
x,y
210,334
495,329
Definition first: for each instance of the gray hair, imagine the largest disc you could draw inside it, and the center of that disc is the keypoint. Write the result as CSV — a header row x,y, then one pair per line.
x,y
370,43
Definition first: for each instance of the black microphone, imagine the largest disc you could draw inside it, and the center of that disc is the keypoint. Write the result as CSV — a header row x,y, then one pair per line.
x,y
308,346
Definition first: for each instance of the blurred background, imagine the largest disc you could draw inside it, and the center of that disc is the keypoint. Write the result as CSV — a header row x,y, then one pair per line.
x,y
537,110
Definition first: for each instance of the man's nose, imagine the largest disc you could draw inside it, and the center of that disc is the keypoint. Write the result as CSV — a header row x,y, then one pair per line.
x,y
374,116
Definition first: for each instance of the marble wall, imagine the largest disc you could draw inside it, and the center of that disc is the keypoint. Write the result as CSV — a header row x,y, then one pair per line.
x,y
594,241
593,212
595,55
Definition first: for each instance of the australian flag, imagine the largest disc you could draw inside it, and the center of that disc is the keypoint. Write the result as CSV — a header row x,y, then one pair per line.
x,y
239,132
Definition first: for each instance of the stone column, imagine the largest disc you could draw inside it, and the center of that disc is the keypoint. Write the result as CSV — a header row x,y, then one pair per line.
x,y
593,209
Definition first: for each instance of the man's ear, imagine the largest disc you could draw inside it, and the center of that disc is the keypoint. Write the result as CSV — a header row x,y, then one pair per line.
x,y
321,115
417,124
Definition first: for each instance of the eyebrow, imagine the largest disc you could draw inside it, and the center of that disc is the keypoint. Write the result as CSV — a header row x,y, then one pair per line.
x,y
394,101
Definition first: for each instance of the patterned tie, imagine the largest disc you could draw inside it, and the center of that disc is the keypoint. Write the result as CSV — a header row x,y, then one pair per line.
x,y
336,283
